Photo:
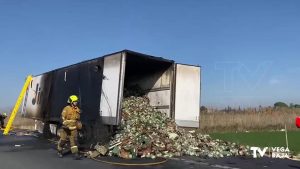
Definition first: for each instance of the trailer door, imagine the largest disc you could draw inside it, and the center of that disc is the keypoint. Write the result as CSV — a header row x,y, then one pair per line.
x,y
112,89
187,95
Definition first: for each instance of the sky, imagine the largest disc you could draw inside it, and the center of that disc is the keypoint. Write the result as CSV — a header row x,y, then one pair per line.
x,y
248,50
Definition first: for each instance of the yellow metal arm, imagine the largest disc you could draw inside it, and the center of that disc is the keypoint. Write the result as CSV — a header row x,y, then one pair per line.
x,y
17,105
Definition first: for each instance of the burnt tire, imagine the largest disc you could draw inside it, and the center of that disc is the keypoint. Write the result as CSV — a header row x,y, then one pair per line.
x,y
95,132
46,130
102,133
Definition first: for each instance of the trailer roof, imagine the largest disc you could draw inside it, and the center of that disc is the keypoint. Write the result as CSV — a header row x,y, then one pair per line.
x,y
122,51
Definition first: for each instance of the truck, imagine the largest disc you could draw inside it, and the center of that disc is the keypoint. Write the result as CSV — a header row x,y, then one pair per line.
x,y
171,87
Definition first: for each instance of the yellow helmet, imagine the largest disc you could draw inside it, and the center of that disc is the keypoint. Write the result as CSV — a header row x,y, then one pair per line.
x,y
72,99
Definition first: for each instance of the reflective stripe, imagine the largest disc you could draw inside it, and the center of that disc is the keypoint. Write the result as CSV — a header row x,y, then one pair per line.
x,y
74,149
70,121
72,128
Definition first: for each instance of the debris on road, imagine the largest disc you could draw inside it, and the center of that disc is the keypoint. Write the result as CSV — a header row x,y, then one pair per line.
x,y
25,133
101,149
92,154
146,132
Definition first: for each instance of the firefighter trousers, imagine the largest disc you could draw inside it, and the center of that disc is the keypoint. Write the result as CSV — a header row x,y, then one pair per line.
x,y
65,133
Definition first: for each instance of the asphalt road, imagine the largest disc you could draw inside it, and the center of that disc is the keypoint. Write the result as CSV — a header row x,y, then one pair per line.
x,y
27,152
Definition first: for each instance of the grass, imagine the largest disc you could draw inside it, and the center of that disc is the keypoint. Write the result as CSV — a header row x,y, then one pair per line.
x,y
263,139
264,119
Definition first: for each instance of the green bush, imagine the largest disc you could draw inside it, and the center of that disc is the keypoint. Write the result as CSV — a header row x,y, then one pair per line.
x,y
280,104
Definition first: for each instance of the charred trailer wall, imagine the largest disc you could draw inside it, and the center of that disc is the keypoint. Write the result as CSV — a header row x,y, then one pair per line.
x,y
48,93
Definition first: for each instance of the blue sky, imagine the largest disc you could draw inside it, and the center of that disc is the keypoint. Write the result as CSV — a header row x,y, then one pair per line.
x,y
249,50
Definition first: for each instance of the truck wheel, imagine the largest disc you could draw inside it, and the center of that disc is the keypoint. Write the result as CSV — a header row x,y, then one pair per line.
x,y
102,133
46,130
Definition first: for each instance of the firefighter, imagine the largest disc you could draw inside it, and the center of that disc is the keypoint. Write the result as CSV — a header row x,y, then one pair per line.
x,y
2,118
70,126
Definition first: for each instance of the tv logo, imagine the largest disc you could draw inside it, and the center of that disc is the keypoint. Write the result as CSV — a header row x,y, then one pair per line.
x,y
275,152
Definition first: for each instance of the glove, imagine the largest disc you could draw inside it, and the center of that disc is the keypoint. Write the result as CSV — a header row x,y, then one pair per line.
x,y
68,122
78,125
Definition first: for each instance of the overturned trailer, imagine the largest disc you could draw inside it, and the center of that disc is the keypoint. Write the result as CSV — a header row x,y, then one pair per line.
x,y
172,88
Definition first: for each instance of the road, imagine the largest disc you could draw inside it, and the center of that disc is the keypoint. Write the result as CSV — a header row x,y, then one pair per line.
x,y
27,152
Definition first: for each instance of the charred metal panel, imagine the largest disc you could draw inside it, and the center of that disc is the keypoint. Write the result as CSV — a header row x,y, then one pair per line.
x,y
36,99
65,83
48,93
90,84
83,80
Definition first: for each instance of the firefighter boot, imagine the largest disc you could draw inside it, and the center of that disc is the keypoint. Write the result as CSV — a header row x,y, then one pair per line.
x,y
77,156
60,154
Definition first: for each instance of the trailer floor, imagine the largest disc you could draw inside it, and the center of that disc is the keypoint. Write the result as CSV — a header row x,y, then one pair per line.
x,y
27,152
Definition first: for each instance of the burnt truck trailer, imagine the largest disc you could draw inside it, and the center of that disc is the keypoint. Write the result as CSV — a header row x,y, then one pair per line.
x,y
172,88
